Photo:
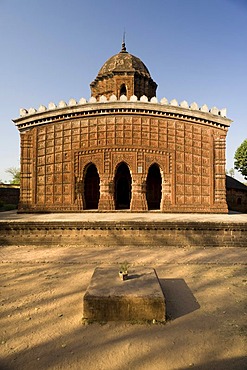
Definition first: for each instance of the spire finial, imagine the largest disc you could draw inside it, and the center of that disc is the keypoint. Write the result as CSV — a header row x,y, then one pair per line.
x,y
123,43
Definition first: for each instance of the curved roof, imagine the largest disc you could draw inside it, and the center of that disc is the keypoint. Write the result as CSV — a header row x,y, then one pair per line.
x,y
232,183
123,62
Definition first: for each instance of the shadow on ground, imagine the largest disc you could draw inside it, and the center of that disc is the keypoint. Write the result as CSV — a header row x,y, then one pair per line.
x,y
238,363
179,299
41,318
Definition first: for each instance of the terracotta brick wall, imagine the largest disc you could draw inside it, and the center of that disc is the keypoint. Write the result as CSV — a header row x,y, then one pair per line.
x,y
190,155
119,234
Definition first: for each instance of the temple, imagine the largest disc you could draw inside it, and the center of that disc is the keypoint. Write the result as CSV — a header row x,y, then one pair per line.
x,y
123,149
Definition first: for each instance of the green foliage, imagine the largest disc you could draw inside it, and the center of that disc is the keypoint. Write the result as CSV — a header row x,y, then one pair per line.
x,y
124,267
240,159
15,173
230,172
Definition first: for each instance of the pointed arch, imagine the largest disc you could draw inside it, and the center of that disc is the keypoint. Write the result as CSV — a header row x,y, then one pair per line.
x,y
122,186
91,187
153,187
123,90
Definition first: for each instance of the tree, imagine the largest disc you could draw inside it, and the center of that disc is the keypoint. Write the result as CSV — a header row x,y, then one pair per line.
x,y
240,158
15,173
230,172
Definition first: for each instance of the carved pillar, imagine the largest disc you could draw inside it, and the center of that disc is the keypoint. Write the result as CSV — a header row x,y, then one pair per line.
x,y
219,174
166,195
138,192
79,186
106,200
26,171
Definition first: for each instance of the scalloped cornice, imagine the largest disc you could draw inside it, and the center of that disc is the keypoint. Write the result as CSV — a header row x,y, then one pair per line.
x,y
64,111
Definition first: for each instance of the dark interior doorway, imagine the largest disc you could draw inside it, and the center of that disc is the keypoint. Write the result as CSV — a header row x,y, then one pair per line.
x,y
122,187
123,90
153,187
91,187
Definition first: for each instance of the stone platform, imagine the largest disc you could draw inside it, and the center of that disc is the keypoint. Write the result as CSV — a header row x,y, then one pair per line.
x,y
124,228
108,298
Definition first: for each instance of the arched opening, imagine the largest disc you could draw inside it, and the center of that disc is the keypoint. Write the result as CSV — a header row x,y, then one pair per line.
x,y
91,187
239,201
122,184
153,186
123,90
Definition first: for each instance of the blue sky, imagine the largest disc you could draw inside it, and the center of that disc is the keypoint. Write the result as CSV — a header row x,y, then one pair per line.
x,y
51,50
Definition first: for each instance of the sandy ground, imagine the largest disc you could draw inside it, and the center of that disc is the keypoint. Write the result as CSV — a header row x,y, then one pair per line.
x,y
41,310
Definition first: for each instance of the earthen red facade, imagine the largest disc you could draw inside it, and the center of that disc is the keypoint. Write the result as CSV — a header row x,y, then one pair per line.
x,y
122,152
123,74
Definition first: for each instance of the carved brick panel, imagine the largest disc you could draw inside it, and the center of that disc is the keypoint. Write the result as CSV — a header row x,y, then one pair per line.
x,y
191,158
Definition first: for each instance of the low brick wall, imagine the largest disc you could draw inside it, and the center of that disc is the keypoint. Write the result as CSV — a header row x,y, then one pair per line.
x,y
237,200
9,194
124,233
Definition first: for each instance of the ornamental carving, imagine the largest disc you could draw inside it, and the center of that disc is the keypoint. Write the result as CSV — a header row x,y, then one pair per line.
x,y
73,154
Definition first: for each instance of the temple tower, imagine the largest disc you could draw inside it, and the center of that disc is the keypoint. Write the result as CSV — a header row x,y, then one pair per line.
x,y
123,74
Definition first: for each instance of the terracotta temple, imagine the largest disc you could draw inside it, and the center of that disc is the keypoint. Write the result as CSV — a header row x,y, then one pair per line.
x,y
123,149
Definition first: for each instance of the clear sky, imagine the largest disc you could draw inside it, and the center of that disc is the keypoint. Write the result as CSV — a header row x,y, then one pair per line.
x,y
51,50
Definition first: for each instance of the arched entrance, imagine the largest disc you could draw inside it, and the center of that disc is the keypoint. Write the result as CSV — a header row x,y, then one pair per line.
x,y
123,90
153,186
91,187
122,186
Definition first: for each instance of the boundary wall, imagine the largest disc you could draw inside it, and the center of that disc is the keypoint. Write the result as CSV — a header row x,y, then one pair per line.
x,y
111,233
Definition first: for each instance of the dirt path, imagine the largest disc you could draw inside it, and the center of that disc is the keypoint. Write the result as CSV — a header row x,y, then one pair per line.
x,y
41,310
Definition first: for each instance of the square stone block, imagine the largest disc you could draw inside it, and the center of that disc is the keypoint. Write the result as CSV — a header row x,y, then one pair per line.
x,y
108,298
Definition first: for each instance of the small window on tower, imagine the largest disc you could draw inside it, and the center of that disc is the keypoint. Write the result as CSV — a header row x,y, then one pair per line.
x,y
123,90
